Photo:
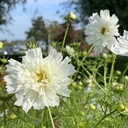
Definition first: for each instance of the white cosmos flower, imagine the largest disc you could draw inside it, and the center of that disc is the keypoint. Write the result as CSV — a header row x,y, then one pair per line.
x,y
121,46
101,30
37,81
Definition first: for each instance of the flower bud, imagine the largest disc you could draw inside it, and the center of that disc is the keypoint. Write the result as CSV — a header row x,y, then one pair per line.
x,y
70,50
84,53
105,55
72,16
121,107
4,61
73,84
80,83
13,116
118,72
119,87
54,44
82,113
1,45
125,112
92,107
32,45
126,77
79,88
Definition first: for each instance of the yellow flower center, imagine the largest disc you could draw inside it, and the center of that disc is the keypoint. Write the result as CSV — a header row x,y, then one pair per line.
x,y
104,30
42,77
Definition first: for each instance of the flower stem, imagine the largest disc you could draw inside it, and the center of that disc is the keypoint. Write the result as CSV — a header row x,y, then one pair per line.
x,y
51,117
4,113
65,35
124,72
104,117
94,80
112,68
81,64
125,102
105,73
19,116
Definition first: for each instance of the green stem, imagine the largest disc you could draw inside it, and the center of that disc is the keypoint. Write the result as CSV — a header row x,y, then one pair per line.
x,y
124,72
112,68
94,80
105,72
19,116
79,65
104,117
125,102
4,113
65,35
51,117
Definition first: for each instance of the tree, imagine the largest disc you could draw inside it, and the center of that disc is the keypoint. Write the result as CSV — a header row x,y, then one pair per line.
x,y
38,31
86,7
57,31
5,7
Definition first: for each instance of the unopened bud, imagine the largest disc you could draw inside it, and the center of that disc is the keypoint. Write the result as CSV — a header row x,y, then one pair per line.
x,y
119,87
105,55
4,61
118,72
82,113
1,45
121,107
125,112
92,107
72,16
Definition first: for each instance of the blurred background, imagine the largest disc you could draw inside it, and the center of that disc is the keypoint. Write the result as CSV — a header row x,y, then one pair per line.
x,y
42,21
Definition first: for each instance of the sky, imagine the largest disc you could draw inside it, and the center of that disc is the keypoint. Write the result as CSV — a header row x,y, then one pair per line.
x,y
22,19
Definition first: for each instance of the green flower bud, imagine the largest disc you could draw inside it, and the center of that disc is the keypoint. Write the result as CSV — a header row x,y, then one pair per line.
x,y
82,113
32,45
105,55
73,84
126,77
54,44
84,53
110,56
119,87
79,88
1,45
121,107
125,112
80,83
118,72
92,107
4,61
13,116
72,16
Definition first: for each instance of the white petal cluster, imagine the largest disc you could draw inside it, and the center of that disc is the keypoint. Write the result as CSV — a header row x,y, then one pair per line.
x,y
37,81
121,46
101,30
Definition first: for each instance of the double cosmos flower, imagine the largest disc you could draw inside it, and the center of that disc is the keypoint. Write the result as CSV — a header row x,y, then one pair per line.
x,y
37,81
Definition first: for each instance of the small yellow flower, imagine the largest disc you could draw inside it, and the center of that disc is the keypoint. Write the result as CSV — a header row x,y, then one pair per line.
x,y
1,45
